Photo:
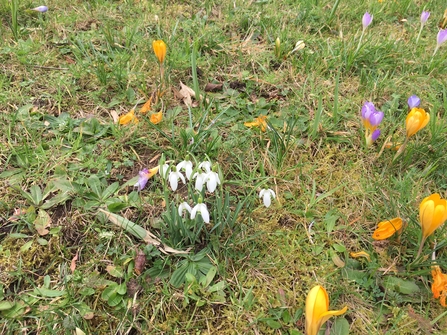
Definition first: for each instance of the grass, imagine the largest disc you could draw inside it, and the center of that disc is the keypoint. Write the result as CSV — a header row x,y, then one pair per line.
x,y
66,267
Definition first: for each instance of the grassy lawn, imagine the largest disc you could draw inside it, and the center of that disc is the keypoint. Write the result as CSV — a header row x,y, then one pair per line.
x,y
270,93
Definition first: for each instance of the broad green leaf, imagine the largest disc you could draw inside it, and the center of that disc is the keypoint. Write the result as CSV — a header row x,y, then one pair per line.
x,y
217,287
340,327
56,200
45,292
115,207
18,235
109,291
110,190
115,271
114,299
210,276
15,311
273,324
122,289
179,275
4,305
401,286
36,194
95,185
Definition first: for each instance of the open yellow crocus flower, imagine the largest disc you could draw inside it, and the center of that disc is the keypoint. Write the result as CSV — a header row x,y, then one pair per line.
x,y
416,120
260,121
387,228
432,214
317,310
160,50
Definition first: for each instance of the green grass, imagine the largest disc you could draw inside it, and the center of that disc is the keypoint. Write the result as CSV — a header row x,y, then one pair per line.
x,y
64,161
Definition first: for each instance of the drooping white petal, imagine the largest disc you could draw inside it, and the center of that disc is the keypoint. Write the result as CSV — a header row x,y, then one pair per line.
x,y
201,208
212,181
200,180
266,195
206,166
182,207
187,166
173,180
266,199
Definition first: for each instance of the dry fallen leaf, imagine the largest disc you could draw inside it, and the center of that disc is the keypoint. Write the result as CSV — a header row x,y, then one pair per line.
x,y
186,93
73,263
115,116
210,87
16,215
140,262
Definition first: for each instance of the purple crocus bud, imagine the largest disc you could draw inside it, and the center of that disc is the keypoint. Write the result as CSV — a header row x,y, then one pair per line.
x,y
375,135
367,109
424,17
366,20
142,179
375,118
442,36
41,9
413,101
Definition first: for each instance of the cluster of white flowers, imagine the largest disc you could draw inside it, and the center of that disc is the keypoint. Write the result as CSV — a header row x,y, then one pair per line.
x,y
204,175
199,208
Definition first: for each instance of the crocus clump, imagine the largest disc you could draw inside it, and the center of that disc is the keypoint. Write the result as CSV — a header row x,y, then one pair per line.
x,y
371,119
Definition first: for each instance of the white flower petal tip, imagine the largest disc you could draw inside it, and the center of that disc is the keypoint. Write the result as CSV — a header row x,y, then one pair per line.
x,y
266,195
201,208
187,166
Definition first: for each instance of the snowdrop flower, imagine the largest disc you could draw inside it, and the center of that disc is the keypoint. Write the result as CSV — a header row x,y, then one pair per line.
x,y
144,176
212,179
187,166
164,170
201,208
206,166
266,195
182,207
174,176
200,180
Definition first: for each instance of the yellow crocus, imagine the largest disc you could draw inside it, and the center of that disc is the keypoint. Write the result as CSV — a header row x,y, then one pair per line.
x,y
432,214
386,229
417,119
439,286
160,50
157,117
358,254
317,310
260,121
127,118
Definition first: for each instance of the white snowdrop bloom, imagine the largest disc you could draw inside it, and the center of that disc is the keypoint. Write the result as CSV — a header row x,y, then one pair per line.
x,y
200,180
174,176
187,166
182,207
164,170
206,166
212,180
266,195
201,208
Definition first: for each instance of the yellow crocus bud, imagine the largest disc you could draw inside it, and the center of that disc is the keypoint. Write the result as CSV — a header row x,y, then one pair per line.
x,y
387,228
160,50
432,214
317,310
416,120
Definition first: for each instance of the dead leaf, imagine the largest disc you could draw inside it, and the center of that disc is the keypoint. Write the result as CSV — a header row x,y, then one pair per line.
x,y
210,87
73,263
88,315
140,262
186,93
16,215
115,116
41,223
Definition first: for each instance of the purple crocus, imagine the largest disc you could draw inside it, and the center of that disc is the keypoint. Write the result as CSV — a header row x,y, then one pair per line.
x,y
144,175
41,9
424,17
413,101
442,37
366,20
371,120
